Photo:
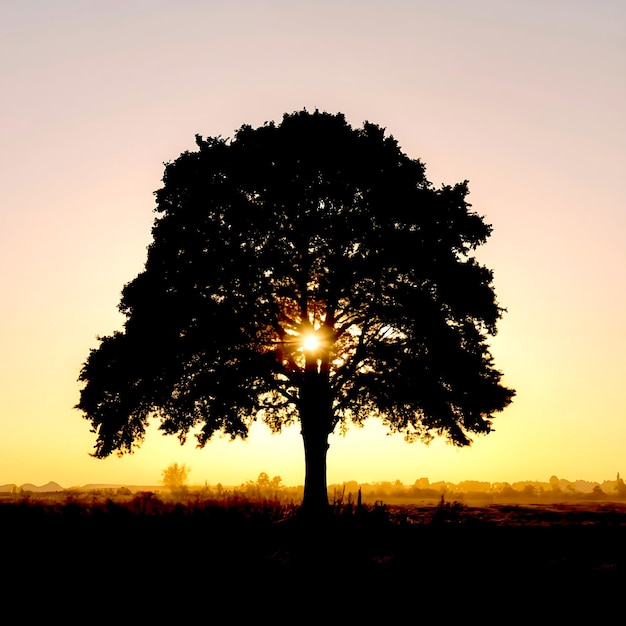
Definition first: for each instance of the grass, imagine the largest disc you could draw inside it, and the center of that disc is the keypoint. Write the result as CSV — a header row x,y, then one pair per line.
x,y
256,553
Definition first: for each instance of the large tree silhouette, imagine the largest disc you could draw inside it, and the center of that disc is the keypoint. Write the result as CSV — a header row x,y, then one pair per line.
x,y
305,272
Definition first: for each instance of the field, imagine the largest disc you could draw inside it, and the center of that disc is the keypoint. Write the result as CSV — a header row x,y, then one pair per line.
x,y
147,556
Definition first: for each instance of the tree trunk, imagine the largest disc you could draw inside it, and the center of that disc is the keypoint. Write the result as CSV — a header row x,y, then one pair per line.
x,y
317,422
315,498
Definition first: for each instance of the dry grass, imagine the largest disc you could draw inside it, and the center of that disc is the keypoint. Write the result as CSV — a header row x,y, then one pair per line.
x,y
97,545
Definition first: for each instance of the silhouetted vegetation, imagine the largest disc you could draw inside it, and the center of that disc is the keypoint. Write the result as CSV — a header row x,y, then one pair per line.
x,y
306,271
175,479
481,492
233,549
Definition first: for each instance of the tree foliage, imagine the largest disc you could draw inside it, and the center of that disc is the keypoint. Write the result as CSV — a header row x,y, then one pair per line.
x,y
308,229
175,478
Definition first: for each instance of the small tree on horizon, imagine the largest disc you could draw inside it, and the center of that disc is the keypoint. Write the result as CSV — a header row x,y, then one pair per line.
x,y
304,272
175,478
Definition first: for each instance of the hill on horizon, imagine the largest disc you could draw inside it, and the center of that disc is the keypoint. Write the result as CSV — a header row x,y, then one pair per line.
x,y
49,487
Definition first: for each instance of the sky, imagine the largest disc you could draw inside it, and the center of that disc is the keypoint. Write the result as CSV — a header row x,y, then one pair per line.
x,y
524,100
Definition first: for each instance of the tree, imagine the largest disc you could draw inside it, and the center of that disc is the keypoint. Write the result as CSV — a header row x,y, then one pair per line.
x,y
305,272
265,487
175,478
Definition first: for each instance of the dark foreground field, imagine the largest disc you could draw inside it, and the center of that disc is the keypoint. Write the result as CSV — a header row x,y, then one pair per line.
x,y
147,559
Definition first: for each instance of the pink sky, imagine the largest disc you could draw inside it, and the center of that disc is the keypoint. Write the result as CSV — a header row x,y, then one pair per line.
x,y
525,100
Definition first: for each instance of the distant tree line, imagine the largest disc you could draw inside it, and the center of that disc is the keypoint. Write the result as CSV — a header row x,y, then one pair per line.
x,y
272,489
555,490
469,491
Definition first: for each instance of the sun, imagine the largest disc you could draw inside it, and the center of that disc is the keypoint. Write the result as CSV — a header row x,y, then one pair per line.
x,y
310,342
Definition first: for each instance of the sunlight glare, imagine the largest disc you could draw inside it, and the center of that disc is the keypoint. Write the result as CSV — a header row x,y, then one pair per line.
x,y
310,342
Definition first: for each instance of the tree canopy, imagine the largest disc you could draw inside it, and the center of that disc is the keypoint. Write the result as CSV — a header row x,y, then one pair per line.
x,y
305,272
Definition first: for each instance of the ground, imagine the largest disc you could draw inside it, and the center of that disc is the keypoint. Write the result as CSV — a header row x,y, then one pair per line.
x,y
256,557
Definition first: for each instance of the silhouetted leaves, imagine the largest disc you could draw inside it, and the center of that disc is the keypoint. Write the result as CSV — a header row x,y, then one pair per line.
x,y
305,225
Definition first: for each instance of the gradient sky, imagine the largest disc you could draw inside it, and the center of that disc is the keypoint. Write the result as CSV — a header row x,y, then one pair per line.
x,y
525,100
